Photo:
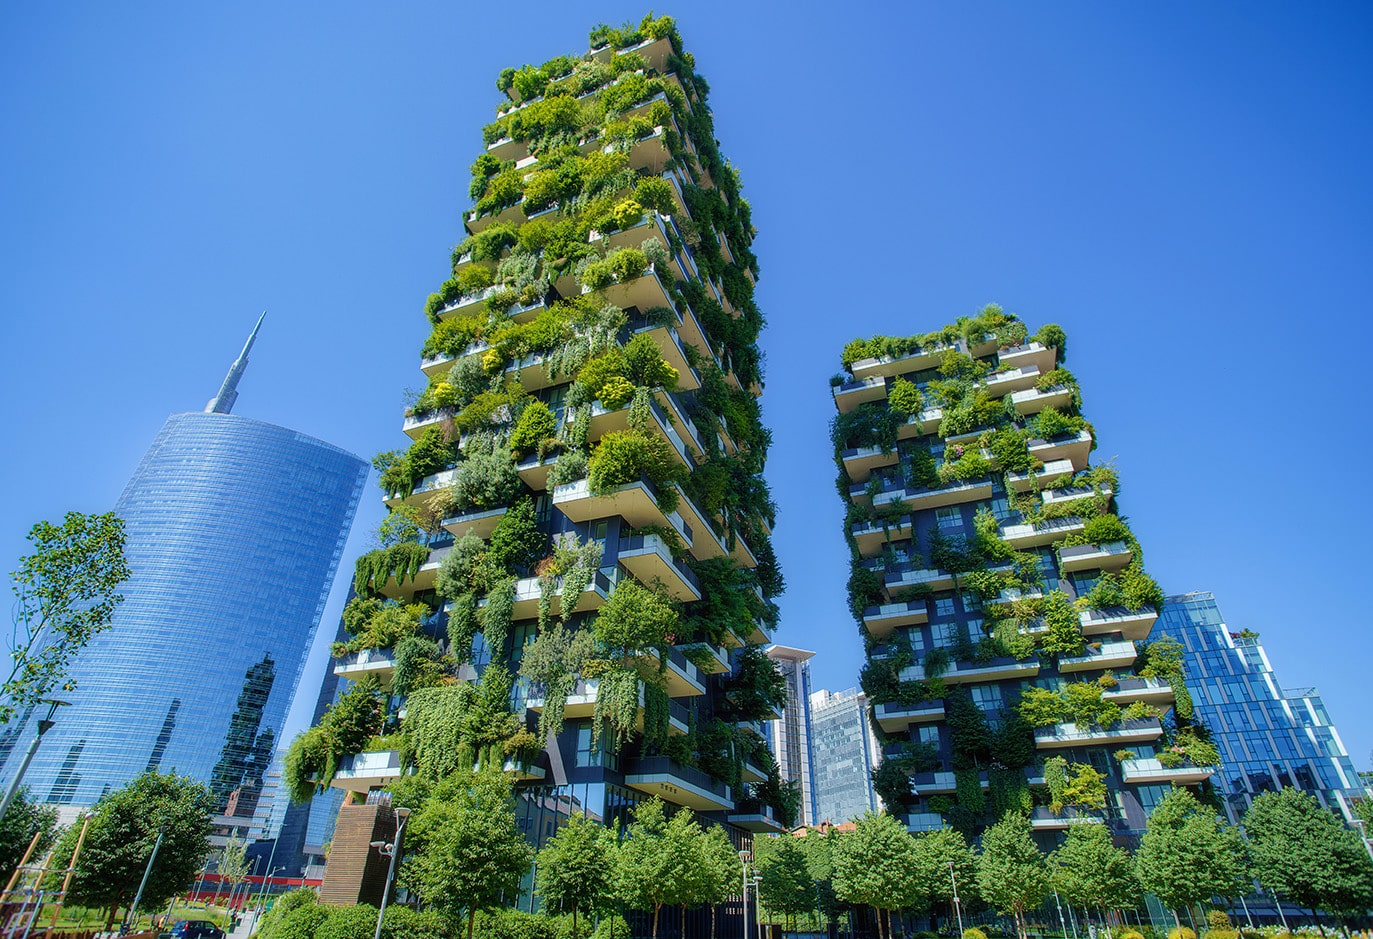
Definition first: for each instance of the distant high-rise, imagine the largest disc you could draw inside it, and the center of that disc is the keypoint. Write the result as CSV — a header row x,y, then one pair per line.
x,y
843,752
235,529
1269,738
789,738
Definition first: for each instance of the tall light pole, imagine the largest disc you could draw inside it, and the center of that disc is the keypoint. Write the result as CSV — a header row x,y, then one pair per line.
x,y
44,726
743,867
147,871
957,907
390,850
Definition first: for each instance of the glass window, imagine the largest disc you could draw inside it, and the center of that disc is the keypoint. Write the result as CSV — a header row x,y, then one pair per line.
x,y
943,606
929,733
949,518
945,635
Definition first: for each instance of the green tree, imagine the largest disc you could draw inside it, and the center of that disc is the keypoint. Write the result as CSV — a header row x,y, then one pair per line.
x,y
64,595
468,853
1188,854
819,850
654,860
1300,851
233,865
23,819
721,871
935,851
1092,872
1012,873
875,865
121,837
786,887
635,619
576,869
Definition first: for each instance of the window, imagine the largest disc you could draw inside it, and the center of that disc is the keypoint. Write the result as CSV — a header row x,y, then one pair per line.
x,y
929,733
945,635
987,697
943,606
1001,508
543,508
593,755
949,518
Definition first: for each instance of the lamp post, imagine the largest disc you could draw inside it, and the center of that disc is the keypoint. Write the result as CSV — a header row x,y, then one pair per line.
x,y
44,726
957,907
743,867
138,897
389,850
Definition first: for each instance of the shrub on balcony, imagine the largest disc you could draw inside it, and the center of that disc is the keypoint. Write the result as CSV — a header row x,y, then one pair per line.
x,y
419,664
517,543
485,481
1106,528
978,409
756,687
635,619
374,623
963,463
1052,336
1063,635
1050,423
624,456
534,430
373,569
904,397
314,756
1073,784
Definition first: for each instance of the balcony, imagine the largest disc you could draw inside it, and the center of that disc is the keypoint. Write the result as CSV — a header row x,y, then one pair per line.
x,y
717,662
860,391
426,487
1044,818
653,51
380,663
995,670
528,590
1069,493
683,678
1130,625
1111,556
934,579
534,471
1012,595
669,343
886,366
1032,400
1156,691
893,716
423,579
1033,354
416,424
437,365
859,462
479,522
603,421
636,503
1052,469
1013,381
680,785
761,635
520,771
507,148
1037,534
647,557
1070,735
955,493
677,414
881,620
365,771
916,822
926,422
645,292
1075,448
1150,770
1105,655
871,536
926,784
755,816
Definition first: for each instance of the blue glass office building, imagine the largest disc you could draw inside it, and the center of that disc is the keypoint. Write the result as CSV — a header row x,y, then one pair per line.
x,y
235,529
1269,737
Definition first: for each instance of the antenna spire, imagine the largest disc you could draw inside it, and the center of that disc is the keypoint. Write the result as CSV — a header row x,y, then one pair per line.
x,y
223,403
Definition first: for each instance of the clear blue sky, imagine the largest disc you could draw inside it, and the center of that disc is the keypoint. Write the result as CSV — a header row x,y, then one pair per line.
x,y
1184,187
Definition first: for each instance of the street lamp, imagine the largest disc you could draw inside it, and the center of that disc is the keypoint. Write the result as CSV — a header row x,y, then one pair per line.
x,y
389,850
262,892
957,907
44,726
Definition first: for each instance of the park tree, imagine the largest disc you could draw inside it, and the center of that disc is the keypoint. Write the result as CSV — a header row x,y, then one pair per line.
x,y
1300,851
721,871
233,866
468,853
1092,872
1188,854
818,848
121,837
1012,874
64,595
875,865
655,861
24,819
935,851
786,886
576,869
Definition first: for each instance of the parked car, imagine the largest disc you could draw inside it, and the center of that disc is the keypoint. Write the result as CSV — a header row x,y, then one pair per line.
x,y
195,929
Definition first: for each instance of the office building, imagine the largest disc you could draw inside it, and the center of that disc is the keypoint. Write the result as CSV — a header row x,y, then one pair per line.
x,y
844,751
789,738
1002,600
586,461
234,529
1269,737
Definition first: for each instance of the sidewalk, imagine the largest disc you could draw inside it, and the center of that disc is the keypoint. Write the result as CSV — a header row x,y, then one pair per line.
x,y
245,926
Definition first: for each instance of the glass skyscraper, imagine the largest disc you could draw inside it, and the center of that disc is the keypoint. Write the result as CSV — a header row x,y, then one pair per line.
x,y
235,529
843,752
1269,737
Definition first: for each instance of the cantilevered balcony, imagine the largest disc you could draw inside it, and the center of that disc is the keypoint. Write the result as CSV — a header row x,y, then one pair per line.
x,y
581,703
755,816
647,557
1033,400
1074,493
379,663
1071,735
1051,470
995,670
894,717
1034,354
654,52
715,661
669,343
1012,381
603,421
1156,691
1044,818
859,462
1101,655
1036,534
760,635
423,580
1075,448
859,391
440,364
677,413
479,522
887,366
636,503
917,822
680,785
1110,556
507,148
365,771
925,422
881,620
901,579
529,589
435,482
1130,624
683,678
955,493
1011,595
871,536
645,292
416,424
1149,770
534,471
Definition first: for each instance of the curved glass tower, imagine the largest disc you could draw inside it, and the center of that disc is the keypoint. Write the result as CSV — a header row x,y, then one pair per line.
x,y
235,529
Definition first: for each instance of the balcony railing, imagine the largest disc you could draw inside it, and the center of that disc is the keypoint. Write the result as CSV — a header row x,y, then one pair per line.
x,y
1105,655
678,784
1150,770
1069,734
648,557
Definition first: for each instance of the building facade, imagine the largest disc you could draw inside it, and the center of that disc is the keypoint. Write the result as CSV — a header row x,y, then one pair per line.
x,y
1269,737
1002,601
790,738
844,752
592,564
234,529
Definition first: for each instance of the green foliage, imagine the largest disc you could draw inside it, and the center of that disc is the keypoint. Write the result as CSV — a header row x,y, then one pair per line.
x,y
1063,635
657,862
624,456
875,864
1012,873
576,868
377,623
786,887
1053,337
1301,852
1093,872
419,664
535,427
64,596
401,561
1049,423
24,819
904,397
345,729
1107,528
636,619
756,687
1188,853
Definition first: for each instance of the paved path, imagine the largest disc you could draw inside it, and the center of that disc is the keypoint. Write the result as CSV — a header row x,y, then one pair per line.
x,y
245,926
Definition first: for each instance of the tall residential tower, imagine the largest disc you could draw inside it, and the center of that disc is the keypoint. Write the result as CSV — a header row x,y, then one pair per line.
x,y
1001,600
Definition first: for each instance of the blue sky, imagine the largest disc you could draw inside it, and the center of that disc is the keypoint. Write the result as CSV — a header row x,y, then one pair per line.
x,y
1183,187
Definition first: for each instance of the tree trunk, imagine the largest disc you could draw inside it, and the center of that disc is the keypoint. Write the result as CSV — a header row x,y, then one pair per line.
x,y
1318,922
471,922
683,921
714,908
656,908
575,934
